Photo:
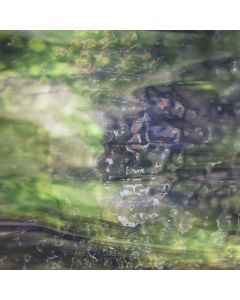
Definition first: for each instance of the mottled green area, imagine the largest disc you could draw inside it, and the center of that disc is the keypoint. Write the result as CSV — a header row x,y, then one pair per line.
x,y
53,85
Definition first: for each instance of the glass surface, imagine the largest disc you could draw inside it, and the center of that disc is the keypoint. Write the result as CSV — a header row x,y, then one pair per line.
x,y
119,150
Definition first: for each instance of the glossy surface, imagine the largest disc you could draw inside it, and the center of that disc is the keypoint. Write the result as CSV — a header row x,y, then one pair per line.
x,y
119,150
